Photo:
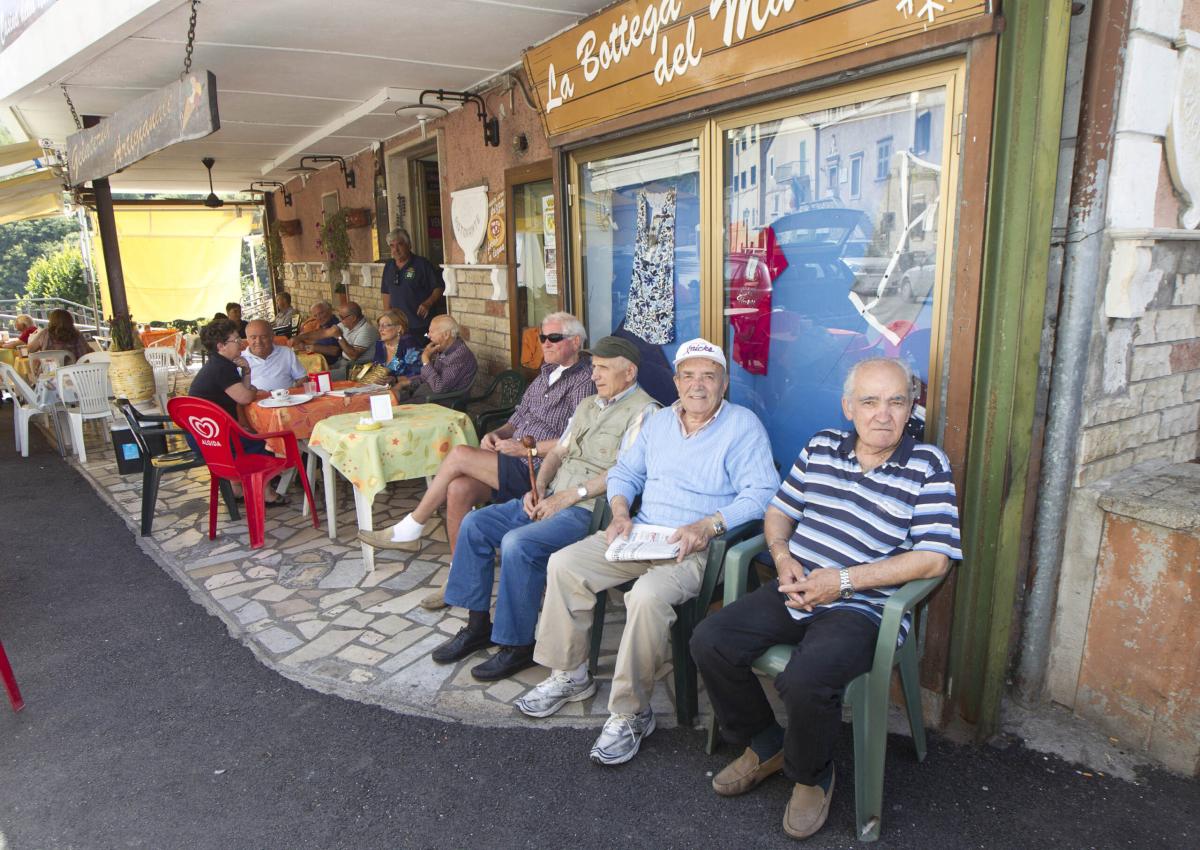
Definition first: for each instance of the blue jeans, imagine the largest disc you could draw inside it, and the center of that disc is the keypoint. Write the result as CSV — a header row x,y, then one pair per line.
x,y
525,547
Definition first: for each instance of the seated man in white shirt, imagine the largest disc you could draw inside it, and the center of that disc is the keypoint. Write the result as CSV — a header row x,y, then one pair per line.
x,y
272,367
356,337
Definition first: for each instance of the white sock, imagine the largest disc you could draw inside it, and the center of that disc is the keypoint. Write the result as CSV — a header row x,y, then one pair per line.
x,y
407,530
578,675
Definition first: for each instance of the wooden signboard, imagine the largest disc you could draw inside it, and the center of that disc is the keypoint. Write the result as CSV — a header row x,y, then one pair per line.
x,y
641,53
178,112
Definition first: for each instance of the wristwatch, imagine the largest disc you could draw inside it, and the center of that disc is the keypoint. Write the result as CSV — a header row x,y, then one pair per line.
x,y
581,492
718,526
845,588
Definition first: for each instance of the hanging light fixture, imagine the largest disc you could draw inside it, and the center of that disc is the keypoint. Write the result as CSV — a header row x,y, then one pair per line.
x,y
423,113
212,200
491,126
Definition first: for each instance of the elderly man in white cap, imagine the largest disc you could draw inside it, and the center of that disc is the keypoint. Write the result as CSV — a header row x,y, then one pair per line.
x,y
700,466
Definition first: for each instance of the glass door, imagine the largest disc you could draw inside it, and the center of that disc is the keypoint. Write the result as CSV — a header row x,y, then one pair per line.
x,y
638,225
534,262
833,247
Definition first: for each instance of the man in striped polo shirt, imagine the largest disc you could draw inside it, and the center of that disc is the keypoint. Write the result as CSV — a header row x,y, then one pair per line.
x,y
861,513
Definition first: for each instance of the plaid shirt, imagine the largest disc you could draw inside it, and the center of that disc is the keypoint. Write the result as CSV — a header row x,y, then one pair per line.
x,y
545,409
453,369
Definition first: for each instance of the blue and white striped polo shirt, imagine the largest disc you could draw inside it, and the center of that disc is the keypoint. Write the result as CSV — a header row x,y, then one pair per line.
x,y
845,517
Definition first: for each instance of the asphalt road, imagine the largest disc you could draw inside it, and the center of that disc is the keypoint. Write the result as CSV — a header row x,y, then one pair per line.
x,y
147,726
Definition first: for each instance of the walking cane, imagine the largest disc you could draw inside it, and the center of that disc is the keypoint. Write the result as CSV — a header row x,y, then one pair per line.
x,y
530,444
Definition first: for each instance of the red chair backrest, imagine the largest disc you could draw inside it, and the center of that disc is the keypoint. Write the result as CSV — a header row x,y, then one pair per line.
x,y
213,429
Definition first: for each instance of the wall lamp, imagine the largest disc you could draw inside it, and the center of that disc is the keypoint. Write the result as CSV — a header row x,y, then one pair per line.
x,y
491,126
348,173
287,196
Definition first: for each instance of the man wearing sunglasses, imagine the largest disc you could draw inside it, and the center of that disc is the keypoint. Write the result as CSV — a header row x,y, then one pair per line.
x,y
499,468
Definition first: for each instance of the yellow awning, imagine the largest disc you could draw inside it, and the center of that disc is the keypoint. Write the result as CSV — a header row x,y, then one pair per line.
x,y
178,263
35,195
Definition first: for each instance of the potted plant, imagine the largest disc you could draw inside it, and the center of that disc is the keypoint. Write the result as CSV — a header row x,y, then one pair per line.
x,y
357,217
333,240
290,226
129,372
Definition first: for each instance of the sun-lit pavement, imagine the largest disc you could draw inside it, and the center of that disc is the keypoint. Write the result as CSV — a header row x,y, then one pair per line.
x,y
148,726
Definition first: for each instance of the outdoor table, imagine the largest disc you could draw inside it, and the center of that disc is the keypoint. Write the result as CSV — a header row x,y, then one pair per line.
x,y
150,337
412,445
311,362
24,367
301,418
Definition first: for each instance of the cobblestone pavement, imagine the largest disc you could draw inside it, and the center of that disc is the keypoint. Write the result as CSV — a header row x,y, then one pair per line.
x,y
308,608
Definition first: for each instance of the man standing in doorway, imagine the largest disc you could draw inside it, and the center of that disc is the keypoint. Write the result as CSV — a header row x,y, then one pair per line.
x,y
411,284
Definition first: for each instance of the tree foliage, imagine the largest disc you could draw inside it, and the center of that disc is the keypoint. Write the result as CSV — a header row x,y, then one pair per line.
x,y
22,242
58,275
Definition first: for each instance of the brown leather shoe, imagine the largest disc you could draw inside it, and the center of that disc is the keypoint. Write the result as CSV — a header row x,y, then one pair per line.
x,y
807,810
435,601
744,772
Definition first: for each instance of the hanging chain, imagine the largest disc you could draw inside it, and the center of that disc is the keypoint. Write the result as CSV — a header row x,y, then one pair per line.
x,y
74,114
191,42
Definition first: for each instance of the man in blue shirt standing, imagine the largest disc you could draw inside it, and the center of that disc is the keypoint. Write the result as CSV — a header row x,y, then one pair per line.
x,y
700,465
411,284
860,513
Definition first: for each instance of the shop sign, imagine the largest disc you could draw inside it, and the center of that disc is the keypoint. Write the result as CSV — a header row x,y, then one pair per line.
x,y
183,110
641,53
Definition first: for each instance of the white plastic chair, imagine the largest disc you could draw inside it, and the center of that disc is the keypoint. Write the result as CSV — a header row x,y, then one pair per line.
x,y
168,361
25,405
89,385
95,357
40,358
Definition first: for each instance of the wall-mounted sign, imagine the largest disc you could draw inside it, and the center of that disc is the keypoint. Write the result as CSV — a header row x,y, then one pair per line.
x,y
178,112
496,230
469,215
641,53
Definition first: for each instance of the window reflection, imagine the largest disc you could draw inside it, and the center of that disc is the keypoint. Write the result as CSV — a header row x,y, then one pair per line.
x,y
640,260
831,258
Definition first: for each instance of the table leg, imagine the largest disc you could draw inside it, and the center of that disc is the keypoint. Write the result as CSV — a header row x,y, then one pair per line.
x,y
329,475
364,511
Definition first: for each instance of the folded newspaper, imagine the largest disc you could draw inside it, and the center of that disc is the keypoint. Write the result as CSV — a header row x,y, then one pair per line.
x,y
365,389
644,543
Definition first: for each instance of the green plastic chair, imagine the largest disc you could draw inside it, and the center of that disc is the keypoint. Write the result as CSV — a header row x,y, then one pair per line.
x,y
867,695
687,615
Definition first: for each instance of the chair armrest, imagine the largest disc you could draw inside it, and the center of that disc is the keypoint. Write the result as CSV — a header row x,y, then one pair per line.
x,y
450,395
904,599
737,566
717,547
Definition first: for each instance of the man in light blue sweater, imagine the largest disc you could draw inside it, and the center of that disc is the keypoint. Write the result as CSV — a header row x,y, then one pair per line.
x,y
700,466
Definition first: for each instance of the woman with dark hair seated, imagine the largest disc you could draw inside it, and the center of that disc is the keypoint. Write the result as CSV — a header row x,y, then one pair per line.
x,y
397,350
60,335
220,382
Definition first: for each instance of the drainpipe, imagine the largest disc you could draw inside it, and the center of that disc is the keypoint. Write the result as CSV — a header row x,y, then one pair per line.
x,y
1082,259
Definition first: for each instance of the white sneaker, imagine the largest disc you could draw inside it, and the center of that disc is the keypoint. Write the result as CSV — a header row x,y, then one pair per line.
x,y
555,692
621,737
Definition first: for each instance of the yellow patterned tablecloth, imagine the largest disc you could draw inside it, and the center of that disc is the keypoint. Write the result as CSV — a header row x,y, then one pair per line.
x,y
24,367
412,445
8,355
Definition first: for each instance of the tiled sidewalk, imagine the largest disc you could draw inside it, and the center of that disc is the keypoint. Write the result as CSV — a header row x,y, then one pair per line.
x,y
305,605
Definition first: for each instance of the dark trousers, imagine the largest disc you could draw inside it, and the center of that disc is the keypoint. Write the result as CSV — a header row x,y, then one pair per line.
x,y
832,648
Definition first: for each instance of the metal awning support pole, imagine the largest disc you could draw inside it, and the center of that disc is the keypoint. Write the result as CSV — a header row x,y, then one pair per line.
x,y
107,223
1077,308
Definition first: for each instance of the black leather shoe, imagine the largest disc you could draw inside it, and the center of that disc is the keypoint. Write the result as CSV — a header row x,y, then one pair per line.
x,y
462,645
506,662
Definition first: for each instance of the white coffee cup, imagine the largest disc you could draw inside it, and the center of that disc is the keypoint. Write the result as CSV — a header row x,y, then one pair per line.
x,y
280,394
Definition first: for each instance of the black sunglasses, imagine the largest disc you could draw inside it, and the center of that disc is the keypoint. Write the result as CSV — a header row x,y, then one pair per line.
x,y
551,337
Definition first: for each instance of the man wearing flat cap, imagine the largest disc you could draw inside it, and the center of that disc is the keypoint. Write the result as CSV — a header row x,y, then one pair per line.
x,y
699,466
527,530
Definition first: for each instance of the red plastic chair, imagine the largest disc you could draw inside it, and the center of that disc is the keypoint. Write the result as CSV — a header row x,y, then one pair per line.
x,y
10,682
215,432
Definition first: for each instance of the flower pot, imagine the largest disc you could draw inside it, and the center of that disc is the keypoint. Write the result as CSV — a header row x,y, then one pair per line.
x,y
131,375
289,226
358,217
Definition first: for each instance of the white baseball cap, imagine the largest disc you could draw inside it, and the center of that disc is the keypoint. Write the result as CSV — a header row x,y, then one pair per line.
x,y
700,347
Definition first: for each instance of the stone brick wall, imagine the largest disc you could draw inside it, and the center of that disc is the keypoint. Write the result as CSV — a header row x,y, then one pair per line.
x,y
484,322
1143,394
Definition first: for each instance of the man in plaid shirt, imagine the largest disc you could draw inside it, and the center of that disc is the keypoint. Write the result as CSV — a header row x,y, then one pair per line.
x,y
447,364
499,468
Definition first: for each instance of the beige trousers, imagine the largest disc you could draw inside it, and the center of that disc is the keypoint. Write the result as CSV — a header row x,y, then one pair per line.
x,y
574,576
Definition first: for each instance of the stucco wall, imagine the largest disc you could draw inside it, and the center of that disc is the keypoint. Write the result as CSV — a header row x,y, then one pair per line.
x,y
463,162
1141,400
